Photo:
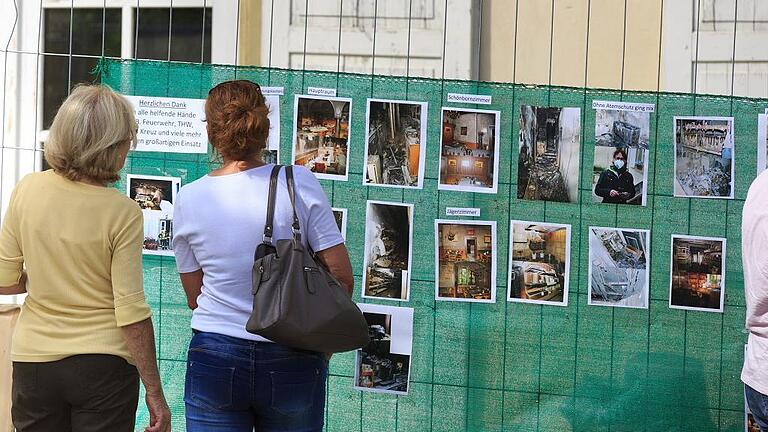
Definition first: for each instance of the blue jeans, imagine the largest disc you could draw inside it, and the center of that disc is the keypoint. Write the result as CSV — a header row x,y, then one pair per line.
x,y
234,384
758,404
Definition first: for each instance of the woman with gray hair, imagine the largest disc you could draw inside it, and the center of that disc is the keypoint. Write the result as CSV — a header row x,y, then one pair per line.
x,y
85,334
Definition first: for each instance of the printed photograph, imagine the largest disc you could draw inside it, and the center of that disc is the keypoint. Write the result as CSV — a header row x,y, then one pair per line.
x,y
387,262
469,150
340,214
548,165
704,157
395,146
321,135
618,267
271,156
273,140
155,196
465,260
384,365
697,281
539,263
620,169
762,143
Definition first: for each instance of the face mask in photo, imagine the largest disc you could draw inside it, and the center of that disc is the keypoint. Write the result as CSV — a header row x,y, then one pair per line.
x,y
619,164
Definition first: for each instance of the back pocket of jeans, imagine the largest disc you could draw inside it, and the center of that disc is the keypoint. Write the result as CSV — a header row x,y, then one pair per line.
x,y
294,392
210,386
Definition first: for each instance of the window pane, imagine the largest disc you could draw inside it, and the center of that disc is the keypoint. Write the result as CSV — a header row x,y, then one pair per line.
x,y
56,77
186,36
87,25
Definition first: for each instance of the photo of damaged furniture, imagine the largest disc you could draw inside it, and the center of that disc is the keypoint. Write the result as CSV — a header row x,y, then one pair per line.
x,y
697,273
465,254
618,267
703,157
619,128
387,248
394,143
467,149
548,166
322,132
379,369
539,265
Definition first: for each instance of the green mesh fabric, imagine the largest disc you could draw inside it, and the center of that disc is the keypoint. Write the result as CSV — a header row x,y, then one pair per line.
x,y
503,366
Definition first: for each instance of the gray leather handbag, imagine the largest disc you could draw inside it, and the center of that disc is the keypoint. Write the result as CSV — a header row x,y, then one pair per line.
x,y
296,301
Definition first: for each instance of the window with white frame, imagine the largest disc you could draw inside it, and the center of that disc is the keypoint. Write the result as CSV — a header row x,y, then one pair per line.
x,y
88,33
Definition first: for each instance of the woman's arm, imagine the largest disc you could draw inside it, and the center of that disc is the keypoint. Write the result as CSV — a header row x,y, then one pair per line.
x,y
193,286
19,288
336,260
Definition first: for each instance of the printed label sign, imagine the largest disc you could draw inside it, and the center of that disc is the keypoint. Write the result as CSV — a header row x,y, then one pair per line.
x,y
468,98
320,91
272,91
462,211
171,125
623,106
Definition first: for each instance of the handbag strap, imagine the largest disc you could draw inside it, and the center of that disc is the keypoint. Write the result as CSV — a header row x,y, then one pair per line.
x,y
291,194
268,226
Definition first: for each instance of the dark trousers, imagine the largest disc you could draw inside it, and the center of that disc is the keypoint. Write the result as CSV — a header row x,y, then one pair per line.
x,y
758,405
82,393
237,385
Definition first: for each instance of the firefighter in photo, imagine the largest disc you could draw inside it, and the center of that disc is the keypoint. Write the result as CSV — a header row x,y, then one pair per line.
x,y
616,185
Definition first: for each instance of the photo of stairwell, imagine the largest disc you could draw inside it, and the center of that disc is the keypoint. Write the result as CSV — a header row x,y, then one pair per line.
x,y
548,164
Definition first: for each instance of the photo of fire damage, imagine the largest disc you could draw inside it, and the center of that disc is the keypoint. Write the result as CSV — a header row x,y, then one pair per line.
x,y
465,261
155,196
762,143
469,150
548,165
395,147
698,273
340,216
539,263
704,157
270,156
384,364
321,135
618,267
388,234
620,169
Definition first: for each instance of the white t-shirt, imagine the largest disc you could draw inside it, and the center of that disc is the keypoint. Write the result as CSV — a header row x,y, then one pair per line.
x,y
219,221
754,236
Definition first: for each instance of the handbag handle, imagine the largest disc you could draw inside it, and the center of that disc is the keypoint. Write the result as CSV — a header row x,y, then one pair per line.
x,y
291,194
268,225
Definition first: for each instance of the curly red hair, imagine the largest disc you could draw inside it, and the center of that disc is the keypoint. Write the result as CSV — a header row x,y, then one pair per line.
x,y
238,123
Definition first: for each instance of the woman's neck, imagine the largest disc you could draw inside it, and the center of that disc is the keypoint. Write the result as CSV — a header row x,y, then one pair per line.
x,y
231,166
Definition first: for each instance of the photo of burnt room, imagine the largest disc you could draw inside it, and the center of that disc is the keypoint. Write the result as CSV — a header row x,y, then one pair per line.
x,y
539,263
697,273
270,156
321,135
704,157
618,267
396,138
388,233
465,267
384,364
155,196
340,215
622,128
152,193
762,143
548,164
469,150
